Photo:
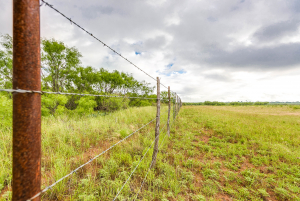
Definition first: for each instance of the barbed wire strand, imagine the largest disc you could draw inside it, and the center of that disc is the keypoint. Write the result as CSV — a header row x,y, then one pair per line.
x,y
75,94
136,166
148,171
105,45
74,171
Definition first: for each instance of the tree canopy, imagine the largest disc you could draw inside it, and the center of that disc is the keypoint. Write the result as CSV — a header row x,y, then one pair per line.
x,y
62,71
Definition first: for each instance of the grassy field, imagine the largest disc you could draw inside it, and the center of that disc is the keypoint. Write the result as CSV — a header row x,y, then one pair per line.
x,y
68,142
214,153
238,153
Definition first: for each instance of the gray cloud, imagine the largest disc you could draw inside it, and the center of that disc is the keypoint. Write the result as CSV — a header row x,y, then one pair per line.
x,y
295,6
218,77
277,31
196,36
280,57
150,44
93,12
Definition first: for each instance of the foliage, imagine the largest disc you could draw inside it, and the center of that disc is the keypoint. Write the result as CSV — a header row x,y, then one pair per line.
x,y
213,103
57,61
62,72
85,105
241,153
5,111
236,103
6,55
53,104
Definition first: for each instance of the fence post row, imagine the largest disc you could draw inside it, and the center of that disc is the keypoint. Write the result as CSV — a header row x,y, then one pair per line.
x,y
26,180
155,148
169,110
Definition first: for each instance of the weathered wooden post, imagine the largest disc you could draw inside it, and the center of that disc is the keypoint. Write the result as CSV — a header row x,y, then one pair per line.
x,y
177,108
173,100
169,111
155,149
180,104
26,180
175,105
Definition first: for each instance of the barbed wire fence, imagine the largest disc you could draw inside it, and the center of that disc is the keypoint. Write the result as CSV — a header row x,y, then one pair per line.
x,y
27,108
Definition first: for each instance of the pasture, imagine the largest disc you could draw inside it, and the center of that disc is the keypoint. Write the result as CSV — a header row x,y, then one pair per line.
x,y
214,153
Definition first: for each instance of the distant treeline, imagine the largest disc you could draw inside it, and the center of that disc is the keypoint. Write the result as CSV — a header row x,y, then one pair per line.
x,y
217,103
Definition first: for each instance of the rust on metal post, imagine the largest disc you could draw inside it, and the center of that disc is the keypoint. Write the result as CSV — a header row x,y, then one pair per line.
x,y
155,149
26,106
169,111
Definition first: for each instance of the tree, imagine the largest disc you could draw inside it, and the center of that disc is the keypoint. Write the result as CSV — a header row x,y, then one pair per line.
x,y
61,71
6,64
83,80
57,61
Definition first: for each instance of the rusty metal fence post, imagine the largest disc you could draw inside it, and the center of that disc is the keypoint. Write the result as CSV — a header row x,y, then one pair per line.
x,y
169,111
26,181
155,149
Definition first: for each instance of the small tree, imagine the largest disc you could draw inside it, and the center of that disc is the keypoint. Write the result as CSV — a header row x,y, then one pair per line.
x,y
57,62
6,64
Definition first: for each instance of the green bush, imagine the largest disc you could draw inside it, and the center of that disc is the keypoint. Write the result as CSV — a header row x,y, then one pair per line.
x,y
53,104
5,110
86,105
112,104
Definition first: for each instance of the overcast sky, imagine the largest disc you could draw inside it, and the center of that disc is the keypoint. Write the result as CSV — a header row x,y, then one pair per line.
x,y
223,50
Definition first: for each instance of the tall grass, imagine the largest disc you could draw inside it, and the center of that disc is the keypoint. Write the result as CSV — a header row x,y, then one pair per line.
x,y
69,141
214,153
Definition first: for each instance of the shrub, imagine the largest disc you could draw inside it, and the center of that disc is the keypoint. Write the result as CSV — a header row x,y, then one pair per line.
x,y
5,110
86,105
52,103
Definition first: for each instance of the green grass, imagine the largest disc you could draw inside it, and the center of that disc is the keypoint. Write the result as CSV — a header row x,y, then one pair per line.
x,y
214,153
245,153
68,142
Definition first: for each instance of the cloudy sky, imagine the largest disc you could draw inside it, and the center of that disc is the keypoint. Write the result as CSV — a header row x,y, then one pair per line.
x,y
223,50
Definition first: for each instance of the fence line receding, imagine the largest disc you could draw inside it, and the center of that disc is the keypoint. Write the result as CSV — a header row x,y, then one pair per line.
x,y
27,93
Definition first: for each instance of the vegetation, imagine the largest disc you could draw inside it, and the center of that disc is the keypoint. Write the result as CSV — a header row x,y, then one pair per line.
x,y
214,153
70,141
217,103
239,153
62,72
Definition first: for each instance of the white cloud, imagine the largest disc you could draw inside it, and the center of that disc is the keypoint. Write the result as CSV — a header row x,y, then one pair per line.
x,y
229,50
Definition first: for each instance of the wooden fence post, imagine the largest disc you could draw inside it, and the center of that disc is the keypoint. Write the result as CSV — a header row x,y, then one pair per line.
x,y
26,179
169,110
173,101
175,105
179,102
155,149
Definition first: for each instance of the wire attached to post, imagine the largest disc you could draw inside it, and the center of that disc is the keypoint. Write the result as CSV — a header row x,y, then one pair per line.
x,y
51,6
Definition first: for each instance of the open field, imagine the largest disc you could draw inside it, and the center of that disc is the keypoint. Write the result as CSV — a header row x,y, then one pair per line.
x,y
239,153
214,153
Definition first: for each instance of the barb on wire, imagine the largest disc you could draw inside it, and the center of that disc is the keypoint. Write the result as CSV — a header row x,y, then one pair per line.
x,y
74,171
149,169
136,167
62,93
105,45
